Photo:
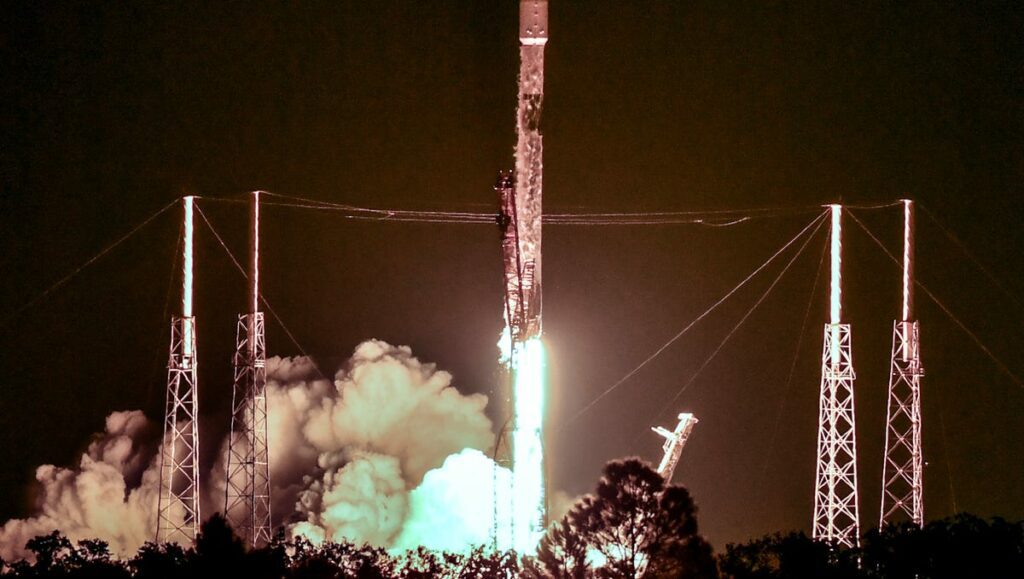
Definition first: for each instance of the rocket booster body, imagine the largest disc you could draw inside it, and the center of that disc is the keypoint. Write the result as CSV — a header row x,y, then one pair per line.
x,y
521,204
520,220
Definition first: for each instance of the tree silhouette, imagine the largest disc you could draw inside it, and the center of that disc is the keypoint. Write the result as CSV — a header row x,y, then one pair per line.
x,y
49,550
789,556
479,564
563,551
160,561
632,525
270,561
953,548
219,552
960,546
676,549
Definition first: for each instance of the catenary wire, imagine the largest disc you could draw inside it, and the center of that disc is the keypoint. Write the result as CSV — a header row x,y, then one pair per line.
x,y
970,255
709,218
817,220
7,319
740,323
974,337
792,367
242,271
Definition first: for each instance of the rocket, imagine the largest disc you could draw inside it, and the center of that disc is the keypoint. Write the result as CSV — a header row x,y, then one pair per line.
x,y
520,195
533,22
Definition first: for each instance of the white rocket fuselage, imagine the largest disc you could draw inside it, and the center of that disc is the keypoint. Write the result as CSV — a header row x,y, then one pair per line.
x,y
521,244
533,35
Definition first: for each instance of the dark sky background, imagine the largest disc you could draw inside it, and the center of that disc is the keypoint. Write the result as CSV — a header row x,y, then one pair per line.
x,y
112,110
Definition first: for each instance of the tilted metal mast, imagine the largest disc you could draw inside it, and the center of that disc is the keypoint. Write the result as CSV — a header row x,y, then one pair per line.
x,y
178,514
836,505
674,442
903,470
247,489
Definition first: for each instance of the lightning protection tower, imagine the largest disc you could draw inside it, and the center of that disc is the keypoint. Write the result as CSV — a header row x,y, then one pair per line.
x,y
836,506
247,488
178,514
902,472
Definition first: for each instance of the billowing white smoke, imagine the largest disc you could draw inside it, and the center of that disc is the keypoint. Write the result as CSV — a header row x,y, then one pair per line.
x,y
97,499
389,454
357,447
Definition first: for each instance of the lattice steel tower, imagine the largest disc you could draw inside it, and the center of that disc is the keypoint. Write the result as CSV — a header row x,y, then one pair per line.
x,y
902,472
836,506
247,489
178,514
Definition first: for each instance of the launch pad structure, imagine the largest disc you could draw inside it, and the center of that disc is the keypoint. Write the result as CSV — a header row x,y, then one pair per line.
x,y
247,498
675,440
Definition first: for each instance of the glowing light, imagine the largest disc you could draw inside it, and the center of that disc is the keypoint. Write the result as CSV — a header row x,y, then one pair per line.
x,y
505,346
188,325
254,281
452,509
527,446
837,247
906,259
186,261
835,294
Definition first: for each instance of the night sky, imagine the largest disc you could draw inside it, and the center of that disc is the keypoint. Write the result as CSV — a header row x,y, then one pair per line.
x,y
112,110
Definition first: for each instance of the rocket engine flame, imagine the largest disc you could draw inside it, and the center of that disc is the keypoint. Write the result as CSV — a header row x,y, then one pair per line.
x,y
528,447
522,348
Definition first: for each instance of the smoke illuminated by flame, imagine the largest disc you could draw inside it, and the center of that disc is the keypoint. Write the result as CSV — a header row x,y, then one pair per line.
x,y
387,453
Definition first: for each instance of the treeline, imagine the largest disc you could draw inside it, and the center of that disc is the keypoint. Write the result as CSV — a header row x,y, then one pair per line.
x,y
633,525
959,547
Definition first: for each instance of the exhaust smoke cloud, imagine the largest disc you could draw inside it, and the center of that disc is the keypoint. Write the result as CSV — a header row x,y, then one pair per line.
x,y
389,453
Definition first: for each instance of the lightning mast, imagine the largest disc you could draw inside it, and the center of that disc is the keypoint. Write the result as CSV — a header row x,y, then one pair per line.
x,y
247,488
520,221
178,514
836,505
902,472
674,442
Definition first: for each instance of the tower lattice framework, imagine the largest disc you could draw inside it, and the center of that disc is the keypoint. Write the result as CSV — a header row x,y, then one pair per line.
x,y
836,502
247,501
247,489
836,506
902,473
178,514
903,470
